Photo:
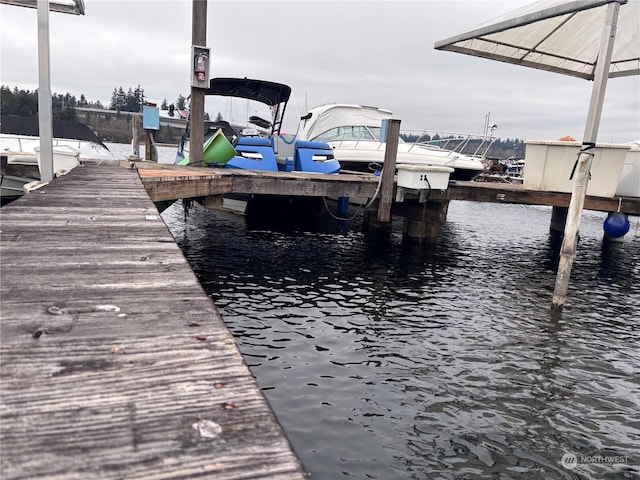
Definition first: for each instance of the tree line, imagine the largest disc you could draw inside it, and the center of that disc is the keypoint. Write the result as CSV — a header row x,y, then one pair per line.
x,y
24,103
499,149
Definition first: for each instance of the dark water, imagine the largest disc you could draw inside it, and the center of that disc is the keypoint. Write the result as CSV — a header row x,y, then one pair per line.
x,y
391,361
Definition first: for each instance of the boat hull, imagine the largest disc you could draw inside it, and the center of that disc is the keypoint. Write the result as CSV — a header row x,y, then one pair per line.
x,y
372,159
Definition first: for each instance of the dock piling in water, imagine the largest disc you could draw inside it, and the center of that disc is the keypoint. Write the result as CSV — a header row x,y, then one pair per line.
x,y
388,171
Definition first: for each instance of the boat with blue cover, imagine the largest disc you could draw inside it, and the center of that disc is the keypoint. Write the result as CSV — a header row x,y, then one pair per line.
x,y
263,148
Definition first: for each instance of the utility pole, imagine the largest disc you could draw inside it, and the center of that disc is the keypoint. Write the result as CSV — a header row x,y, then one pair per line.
x,y
198,37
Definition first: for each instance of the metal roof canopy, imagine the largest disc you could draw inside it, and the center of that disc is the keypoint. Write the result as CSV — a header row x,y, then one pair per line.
x,y
74,7
576,38
557,36
45,101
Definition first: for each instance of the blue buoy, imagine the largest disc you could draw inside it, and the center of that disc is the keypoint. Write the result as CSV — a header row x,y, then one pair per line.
x,y
616,225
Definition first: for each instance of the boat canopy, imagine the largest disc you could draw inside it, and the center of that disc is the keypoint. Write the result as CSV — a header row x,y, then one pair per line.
x,y
325,117
274,95
554,35
74,7
269,93
29,126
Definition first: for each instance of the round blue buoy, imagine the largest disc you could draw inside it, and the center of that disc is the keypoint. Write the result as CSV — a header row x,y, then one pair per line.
x,y
616,225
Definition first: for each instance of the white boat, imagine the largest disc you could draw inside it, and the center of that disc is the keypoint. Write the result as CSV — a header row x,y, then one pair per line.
x,y
354,132
20,151
515,171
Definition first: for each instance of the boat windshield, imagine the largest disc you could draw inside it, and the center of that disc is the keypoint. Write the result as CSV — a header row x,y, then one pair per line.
x,y
351,132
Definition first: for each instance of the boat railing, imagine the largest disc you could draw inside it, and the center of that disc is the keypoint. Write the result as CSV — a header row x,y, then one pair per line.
x,y
447,143
471,145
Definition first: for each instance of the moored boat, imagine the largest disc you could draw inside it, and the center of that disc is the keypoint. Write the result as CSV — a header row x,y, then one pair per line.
x,y
20,151
261,147
356,135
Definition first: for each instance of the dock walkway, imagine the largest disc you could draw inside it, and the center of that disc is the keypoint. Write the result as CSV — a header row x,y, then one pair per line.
x,y
114,362
169,182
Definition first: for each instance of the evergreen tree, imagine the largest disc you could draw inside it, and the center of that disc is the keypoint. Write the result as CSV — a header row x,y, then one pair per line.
x,y
18,102
181,102
139,98
130,102
163,105
114,100
121,99
25,103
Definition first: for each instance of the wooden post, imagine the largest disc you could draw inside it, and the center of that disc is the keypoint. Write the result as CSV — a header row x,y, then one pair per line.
x,y
135,141
150,150
388,172
581,176
198,37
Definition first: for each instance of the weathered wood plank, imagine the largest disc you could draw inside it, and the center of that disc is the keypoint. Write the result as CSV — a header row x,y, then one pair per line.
x,y
167,182
509,193
114,361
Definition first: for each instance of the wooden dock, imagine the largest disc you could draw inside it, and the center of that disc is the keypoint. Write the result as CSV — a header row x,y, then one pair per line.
x,y
516,194
114,362
169,182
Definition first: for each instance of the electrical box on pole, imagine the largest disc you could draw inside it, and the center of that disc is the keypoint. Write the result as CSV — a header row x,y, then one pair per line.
x,y
200,67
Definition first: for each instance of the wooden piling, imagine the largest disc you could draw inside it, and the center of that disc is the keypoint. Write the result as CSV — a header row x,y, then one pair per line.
x,y
150,150
558,220
135,141
422,220
388,172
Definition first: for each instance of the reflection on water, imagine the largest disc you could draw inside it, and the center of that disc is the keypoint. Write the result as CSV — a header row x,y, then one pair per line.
x,y
393,361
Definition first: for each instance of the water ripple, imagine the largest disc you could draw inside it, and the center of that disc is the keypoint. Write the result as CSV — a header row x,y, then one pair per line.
x,y
388,360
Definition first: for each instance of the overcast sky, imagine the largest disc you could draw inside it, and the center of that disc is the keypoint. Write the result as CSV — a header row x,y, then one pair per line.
x,y
365,52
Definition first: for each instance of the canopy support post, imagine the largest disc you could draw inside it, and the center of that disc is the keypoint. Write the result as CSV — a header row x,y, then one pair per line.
x,y
581,175
45,101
